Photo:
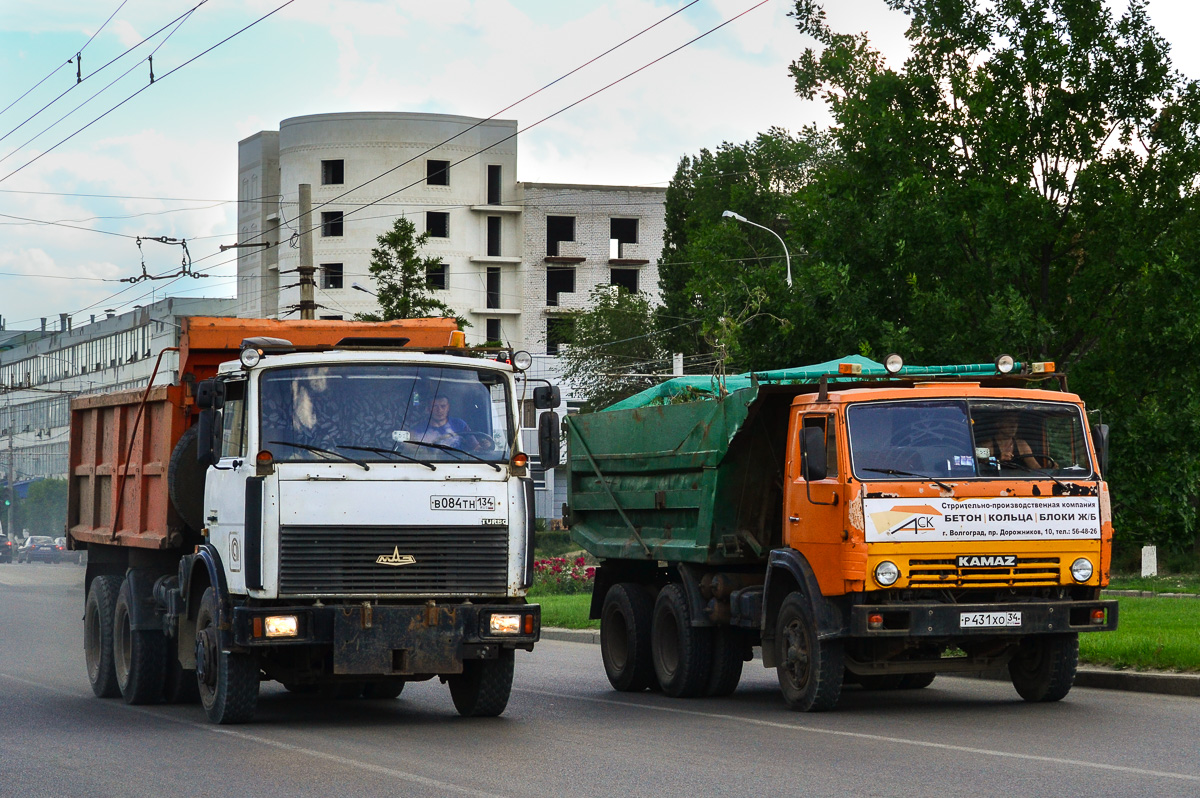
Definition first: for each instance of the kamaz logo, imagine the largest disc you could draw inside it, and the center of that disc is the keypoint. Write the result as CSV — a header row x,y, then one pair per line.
x,y
987,560
395,558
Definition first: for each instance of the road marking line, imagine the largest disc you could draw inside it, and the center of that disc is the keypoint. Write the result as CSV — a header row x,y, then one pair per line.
x,y
255,738
871,737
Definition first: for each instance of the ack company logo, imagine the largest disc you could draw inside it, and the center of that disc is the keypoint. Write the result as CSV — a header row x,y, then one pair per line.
x,y
916,519
395,558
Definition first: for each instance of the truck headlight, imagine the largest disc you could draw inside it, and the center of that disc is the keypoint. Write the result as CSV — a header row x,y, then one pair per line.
x,y
504,624
1081,569
281,626
886,573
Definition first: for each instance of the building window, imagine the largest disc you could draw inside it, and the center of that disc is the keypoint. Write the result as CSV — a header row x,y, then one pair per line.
x,y
493,184
331,275
559,332
437,173
625,278
493,236
332,318
333,173
621,232
331,223
435,277
558,228
559,280
493,331
493,288
437,224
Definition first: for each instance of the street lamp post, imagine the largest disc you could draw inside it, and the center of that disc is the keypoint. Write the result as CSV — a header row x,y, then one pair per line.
x,y
358,287
787,256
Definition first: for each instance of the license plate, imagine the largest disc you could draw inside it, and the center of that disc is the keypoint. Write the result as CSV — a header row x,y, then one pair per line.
x,y
977,620
485,504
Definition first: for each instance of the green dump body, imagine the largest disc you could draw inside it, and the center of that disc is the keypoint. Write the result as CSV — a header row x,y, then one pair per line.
x,y
697,482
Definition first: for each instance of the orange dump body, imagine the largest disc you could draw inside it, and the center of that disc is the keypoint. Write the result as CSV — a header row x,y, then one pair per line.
x,y
121,443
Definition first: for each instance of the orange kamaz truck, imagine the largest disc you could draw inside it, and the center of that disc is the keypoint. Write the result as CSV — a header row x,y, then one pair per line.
x,y
865,523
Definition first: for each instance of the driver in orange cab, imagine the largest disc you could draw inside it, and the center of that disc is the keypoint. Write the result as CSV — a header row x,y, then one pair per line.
x,y
1006,448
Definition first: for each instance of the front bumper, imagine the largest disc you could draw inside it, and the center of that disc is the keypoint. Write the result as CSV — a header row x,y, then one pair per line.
x,y
946,620
372,639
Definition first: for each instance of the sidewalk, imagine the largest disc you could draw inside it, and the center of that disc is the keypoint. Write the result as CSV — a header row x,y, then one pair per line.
x,y
1185,684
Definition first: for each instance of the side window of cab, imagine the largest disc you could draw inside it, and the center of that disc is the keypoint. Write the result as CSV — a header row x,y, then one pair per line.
x,y
233,420
826,424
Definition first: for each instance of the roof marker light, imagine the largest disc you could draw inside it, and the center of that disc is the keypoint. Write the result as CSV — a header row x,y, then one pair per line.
x,y
1045,367
849,368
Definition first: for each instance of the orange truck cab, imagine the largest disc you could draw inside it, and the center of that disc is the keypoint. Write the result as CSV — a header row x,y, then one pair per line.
x,y
862,525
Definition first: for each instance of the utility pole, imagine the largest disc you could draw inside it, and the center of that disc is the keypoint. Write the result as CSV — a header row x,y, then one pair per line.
x,y
308,304
12,461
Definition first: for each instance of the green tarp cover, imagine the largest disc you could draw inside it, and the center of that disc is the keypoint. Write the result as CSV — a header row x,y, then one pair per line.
x,y
703,387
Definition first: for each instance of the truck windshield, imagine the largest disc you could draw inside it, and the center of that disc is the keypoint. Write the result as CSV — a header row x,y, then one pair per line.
x,y
964,439
384,412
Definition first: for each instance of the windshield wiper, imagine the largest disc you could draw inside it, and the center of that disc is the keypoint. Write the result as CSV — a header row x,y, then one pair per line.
x,y
319,450
381,450
900,473
446,448
1032,470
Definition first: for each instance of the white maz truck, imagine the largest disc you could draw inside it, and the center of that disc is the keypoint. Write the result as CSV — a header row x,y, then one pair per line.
x,y
342,508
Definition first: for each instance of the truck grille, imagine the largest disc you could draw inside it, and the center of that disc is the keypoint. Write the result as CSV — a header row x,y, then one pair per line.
x,y
336,561
942,572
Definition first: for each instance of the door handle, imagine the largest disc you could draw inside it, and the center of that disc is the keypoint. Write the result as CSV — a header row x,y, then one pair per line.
x,y
794,519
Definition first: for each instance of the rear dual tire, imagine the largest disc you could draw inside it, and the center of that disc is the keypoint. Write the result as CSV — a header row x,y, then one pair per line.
x,y
139,655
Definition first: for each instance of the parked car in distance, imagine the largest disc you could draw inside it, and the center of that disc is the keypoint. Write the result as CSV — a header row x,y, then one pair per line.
x,y
6,550
39,548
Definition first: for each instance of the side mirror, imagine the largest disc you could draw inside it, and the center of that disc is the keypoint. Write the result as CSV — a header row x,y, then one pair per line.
x,y
210,394
812,454
549,439
206,434
1100,440
547,397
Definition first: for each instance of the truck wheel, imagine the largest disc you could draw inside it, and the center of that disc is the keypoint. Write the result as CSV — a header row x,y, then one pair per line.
x,y
383,690
682,653
1043,668
98,635
729,649
810,670
625,637
482,689
185,480
139,655
180,686
228,682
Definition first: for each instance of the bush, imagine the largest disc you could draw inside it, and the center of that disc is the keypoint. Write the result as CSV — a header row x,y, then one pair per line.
x,y
558,575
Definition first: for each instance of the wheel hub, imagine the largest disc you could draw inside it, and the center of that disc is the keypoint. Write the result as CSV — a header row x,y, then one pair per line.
x,y
206,656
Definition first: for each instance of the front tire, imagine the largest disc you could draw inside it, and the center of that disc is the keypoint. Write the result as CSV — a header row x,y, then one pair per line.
x,y
1043,669
483,687
625,637
228,681
139,655
682,653
810,670
98,635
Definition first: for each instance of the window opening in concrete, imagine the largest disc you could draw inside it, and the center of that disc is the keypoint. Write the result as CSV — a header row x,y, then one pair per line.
x,y
437,224
331,223
493,288
331,275
625,278
621,233
493,331
493,236
558,228
559,333
493,184
559,279
437,173
435,277
332,318
333,173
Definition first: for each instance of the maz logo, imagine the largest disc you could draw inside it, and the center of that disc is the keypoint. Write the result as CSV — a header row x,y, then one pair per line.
x,y
395,558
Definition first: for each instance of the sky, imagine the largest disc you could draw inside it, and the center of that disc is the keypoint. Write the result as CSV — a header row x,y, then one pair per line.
x,y
87,167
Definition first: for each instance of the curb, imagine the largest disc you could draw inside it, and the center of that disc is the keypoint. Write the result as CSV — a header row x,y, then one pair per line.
x,y
1147,594
1181,684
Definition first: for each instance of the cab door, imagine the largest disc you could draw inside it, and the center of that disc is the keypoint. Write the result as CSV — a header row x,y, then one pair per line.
x,y
814,508
225,490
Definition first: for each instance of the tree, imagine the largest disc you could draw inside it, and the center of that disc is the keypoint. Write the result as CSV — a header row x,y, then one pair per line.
x,y
613,347
400,272
43,511
1025,183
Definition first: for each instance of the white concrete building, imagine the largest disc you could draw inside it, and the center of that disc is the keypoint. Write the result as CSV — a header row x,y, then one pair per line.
x,y
515,256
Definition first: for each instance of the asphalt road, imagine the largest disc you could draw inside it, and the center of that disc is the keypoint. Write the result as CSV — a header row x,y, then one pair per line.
x,y
566,733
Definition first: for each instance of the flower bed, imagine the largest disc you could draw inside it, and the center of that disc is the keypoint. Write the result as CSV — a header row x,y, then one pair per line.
x,y
561,576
